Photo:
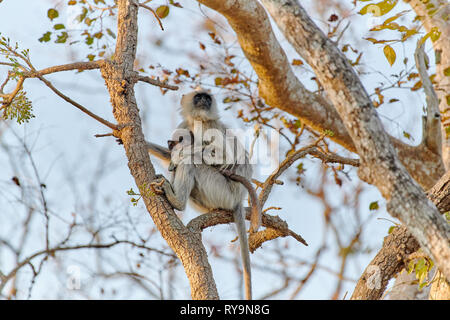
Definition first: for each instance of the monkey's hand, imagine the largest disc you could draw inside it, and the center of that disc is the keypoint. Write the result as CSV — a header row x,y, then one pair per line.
x,y
162,186
157,185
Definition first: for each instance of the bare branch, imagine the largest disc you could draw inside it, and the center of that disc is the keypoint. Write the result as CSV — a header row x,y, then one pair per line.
x,y
432,137
77,105
88,65
156,82
280,88
276,227
291,158
51,251
154,13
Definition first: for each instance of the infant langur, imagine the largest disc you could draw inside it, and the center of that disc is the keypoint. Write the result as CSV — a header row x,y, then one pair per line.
x,y
201,149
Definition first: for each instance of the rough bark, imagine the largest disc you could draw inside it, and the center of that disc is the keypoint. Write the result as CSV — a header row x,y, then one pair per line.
x,y
118,75
397,246
280,88
435,13
435,16
389,261
380,165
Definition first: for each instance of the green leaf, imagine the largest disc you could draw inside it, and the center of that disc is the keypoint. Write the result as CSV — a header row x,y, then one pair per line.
x,y
378,9
391,229
98,35
447,72
82,16
62,37
389,53
434,34
89,40
20,108
162,11
45,37
59,26
52,14
447,216
410,266
374,205
110,33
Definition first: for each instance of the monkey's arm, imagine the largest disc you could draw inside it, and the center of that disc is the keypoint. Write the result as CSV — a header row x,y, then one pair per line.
x,y
178,192
158,151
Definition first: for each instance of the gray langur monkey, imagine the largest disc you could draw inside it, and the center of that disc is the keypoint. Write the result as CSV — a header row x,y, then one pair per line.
x,y
200,179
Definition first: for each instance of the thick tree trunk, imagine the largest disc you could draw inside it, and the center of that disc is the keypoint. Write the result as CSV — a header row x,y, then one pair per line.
x,y
118,75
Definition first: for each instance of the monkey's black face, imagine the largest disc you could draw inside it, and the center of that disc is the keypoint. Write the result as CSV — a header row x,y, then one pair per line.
x,y
203,101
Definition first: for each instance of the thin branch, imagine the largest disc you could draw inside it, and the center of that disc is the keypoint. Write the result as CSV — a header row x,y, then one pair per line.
x,y
77,105
88,65
154,13
156,82
290,159
51,251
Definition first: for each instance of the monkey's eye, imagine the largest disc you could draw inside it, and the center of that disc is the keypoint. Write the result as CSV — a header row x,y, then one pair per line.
x,y
171,144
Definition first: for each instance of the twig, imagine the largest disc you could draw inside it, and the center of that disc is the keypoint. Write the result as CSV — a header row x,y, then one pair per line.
x,y
156,82
154,13
51,251
104,135
290,159
88,65
77,105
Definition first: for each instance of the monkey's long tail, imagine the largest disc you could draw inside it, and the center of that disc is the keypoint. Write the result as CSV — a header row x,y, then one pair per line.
x,y
239,219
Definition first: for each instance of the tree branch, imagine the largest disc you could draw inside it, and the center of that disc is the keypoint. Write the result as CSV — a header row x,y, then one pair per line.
x,y
397,246
280,88
276,227
432,137
80,66
154,14
434,15
379,161
156,82
77,105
